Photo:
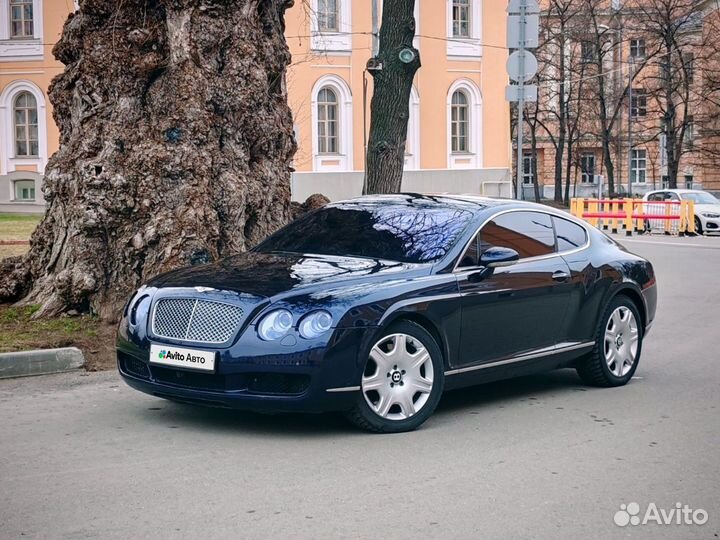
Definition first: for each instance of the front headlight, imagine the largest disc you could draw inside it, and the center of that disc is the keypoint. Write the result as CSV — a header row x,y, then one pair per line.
x,y
315,324
711,215
275,324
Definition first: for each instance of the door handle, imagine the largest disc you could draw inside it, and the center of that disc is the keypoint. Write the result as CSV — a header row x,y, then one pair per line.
x,y
561,275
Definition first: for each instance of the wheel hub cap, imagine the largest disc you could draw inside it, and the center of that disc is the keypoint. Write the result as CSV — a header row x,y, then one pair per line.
x,y
398,378
621,341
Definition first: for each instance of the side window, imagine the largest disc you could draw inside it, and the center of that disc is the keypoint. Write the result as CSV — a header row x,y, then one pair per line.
x,y
471,256
569,235
654,197
529,233
672,197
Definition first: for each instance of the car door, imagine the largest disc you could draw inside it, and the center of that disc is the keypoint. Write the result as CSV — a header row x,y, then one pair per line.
x,y
514,309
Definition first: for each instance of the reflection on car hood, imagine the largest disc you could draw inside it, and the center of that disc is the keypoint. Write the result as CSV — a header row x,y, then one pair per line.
x,y
265,274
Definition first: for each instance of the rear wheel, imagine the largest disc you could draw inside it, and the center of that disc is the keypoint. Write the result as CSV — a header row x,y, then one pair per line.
x,y
402,382
618,343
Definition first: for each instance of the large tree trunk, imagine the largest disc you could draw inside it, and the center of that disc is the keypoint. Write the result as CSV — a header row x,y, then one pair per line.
x,y
389,109
176,147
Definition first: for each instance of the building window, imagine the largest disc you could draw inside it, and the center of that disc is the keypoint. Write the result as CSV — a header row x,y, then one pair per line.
x,y
460,122
637,48
327,110
587,168
688,181
24,190
638,166
328,15
689,61
689,136
25,115
588,52
21,19
529,171
638,103
461,18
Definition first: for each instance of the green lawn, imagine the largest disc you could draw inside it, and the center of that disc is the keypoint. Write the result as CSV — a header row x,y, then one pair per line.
x,y
16,227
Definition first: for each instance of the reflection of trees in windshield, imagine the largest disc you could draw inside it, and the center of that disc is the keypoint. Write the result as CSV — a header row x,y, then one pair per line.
x,y
375,228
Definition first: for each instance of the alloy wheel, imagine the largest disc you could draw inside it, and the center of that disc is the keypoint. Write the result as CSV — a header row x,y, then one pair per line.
x,y
621,341
398,378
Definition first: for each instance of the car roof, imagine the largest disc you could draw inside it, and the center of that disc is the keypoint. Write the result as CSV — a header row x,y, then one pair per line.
x,y
440,199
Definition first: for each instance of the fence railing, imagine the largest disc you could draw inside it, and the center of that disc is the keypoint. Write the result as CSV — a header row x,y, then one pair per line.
x,y
634,215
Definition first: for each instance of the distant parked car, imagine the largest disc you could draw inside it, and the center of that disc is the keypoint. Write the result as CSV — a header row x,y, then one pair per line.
x,y
707,207
376,305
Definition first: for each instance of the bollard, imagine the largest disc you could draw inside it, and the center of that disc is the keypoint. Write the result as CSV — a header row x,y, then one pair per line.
x,y
666,224
628,217
691,217
614,222
640,220
593,208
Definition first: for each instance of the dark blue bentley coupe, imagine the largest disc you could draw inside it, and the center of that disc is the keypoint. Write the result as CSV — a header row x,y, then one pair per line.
x,y
374,306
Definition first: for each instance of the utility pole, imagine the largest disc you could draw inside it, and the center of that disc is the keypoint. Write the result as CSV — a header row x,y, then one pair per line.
x,y
631,74
375,29
522,32
521,103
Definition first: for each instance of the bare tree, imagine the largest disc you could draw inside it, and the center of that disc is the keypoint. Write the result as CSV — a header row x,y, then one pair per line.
x,y
176,147
393,71
681,85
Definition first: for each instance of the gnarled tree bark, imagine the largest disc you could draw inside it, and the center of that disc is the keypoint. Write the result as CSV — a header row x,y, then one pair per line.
x,y
176,147
389,109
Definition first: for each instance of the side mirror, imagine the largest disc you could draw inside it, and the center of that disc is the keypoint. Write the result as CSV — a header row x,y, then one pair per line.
x,y
495,257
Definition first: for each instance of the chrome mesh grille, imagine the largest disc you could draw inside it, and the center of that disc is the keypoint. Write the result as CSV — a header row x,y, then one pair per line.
x,y
197,320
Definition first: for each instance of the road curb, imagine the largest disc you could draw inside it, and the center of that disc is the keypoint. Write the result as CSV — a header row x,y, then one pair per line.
x,y
40,362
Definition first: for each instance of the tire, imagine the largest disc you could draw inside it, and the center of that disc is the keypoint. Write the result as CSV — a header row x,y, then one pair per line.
x,y
608,364
404,359
698,226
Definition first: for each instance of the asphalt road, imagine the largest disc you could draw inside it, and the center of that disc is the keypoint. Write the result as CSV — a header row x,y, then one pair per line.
x,y
84,456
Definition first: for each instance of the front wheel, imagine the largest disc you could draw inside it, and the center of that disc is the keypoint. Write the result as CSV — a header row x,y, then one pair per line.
x,y
402,382
618,343
698,226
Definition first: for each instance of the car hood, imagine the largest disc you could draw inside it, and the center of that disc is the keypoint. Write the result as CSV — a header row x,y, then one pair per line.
x,y
271,274
715,208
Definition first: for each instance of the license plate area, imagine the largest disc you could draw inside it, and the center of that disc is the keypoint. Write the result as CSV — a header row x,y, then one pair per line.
x,y
183,358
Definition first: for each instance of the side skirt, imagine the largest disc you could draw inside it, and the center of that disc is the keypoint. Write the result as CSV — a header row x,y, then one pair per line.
x,y
536,361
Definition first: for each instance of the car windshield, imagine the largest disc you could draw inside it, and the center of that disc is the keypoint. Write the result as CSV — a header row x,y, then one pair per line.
x,y
374,228
700,197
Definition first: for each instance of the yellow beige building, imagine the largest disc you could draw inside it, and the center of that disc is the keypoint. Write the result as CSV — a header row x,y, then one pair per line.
x,y
458,134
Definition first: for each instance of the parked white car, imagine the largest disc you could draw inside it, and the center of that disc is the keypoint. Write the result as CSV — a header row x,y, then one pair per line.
x,y
707,207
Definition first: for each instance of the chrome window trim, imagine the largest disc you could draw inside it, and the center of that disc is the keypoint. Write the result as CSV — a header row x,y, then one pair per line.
x,y
538,353
550,213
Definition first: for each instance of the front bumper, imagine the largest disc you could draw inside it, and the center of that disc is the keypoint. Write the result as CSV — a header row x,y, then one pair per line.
x,y
256,375
710,224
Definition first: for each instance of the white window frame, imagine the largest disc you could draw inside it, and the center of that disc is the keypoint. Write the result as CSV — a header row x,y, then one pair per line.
x,y
21,49
473,159
412,143
527,177
332,42
8,161
638,156
343,159
465,48
638,44
638,109
14,184
586,178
